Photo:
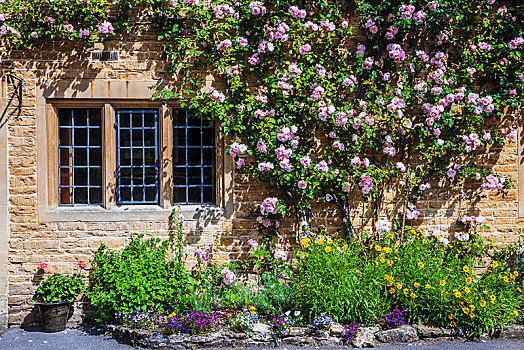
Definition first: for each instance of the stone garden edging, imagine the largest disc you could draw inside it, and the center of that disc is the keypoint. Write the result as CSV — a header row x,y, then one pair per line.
x,y
261,336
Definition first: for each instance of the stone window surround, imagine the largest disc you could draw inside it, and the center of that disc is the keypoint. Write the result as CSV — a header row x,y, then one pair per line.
x,y
108,95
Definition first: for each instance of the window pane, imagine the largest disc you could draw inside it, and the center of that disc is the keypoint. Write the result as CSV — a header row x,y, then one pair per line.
x,y
80,195
209,194
208,137
193,137
193,160
194,175
194,195
180,195
79,156
137,156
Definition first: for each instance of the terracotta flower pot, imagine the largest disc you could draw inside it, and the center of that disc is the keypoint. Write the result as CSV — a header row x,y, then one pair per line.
x,y
54,315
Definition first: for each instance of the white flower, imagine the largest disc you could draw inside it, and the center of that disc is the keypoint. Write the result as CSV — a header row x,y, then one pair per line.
x,y
462,236
383,225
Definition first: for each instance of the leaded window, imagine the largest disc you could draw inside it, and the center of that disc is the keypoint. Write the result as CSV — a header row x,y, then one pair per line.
x,y
79,156
137,156
194,166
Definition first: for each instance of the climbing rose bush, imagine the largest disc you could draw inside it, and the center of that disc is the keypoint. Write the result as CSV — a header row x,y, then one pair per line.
x,y
337,102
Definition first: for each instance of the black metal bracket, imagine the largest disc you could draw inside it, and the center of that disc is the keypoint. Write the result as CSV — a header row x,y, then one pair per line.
x,y
17,84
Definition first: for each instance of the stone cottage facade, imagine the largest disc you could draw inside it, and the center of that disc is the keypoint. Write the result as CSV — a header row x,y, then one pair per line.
x,y
87,158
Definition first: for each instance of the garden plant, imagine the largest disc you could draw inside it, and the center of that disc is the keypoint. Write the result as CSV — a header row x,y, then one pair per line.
x,y
363,107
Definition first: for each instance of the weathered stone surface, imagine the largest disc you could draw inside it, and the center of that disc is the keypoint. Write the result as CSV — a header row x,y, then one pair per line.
x,y
513,331
337,330
403,334
365,337
297,331
206,337
261,332
432,332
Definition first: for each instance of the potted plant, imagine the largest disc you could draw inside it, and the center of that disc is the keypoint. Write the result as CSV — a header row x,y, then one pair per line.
x,y
54,297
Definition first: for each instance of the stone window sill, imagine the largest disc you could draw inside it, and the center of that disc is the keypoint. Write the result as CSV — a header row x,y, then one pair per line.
x,y
131,213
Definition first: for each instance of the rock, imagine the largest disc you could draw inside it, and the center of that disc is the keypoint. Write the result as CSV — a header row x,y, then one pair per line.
x,y
320,334
337,330
512,331
235,334
403,334
261,332
299,341
297,331
331,341
365,337
206,337
432,332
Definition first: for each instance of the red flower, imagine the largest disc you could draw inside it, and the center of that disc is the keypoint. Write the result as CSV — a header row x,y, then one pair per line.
x,y
42,266
82,265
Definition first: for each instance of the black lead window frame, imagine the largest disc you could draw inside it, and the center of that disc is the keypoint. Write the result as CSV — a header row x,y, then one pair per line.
x,y
194,164
137,160
79,156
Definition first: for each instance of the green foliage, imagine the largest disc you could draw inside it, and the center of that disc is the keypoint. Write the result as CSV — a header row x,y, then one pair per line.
x,y
273,299
333,278
139,277
58,288
435,280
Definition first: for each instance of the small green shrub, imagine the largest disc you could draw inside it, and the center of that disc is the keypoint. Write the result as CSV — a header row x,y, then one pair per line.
x,y
332,278
137,278
273,299
58,288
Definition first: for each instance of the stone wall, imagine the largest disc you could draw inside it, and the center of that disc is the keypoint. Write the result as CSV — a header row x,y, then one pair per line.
x,y
31,234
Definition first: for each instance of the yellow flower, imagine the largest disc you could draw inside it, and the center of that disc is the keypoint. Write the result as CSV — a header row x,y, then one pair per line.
x,y
452,324
473,272
442,282
520,290
382,260
405,291
345,246
330,241
467,290
516,312
443,293
399,285
472,315
465,268
457,294
472,307
305,241
420,264
387,250
171,315
494,264
428,286
413,295
465,310
450,316
378,248
505,278
515,273
327,249
253,312
482,303
391,290
469,280
493,297
252,308
320,242
390,262
416,285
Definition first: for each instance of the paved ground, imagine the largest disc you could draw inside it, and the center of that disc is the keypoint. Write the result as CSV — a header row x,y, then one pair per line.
x,y
79,339
70,339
